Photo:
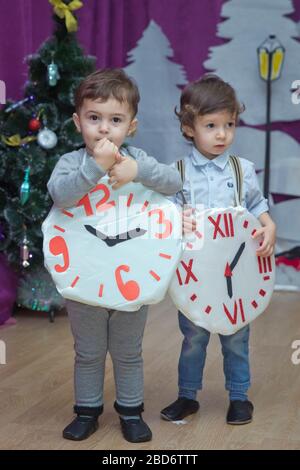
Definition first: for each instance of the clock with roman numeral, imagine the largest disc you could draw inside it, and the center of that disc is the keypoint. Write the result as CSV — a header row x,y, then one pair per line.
x,y
220,283
116,248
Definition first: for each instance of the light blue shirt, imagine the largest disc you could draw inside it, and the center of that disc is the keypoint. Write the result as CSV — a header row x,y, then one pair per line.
x,y
212,183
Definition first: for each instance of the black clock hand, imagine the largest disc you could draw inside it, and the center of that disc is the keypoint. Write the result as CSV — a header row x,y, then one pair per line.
x,y
229,286
237,256
228,274
114,240
229,269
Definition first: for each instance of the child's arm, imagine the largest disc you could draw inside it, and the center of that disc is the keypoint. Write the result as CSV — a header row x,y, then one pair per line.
x,y
268,231
258,206
123,172
72,178
189,223
74,175
146,170
254,200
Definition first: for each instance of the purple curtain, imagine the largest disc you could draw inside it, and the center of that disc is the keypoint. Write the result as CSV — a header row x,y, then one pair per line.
x,y
108,29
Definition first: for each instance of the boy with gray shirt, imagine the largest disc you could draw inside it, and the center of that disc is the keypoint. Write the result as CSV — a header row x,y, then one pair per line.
x,y
106,105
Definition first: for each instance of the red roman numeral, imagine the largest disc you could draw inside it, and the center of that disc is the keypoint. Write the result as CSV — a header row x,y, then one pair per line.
x,y
238,308
189,273
226,221
264,264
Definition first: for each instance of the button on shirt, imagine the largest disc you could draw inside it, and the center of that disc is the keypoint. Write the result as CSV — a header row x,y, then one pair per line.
x,y
212,183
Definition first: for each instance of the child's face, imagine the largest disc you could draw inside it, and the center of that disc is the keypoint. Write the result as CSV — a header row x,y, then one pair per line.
x,y
98,119
212,133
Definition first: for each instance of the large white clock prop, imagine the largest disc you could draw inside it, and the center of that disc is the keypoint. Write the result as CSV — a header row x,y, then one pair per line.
x,y
220,283
116,248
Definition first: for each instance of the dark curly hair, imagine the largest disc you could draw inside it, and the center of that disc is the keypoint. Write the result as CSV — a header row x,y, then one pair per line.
x,y
207,95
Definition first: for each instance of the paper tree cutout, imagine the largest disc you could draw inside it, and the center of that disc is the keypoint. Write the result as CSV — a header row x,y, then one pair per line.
x,y
158,79
285,169
246,27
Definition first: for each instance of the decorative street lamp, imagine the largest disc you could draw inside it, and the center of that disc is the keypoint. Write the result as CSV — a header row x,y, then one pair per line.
x,y
270,61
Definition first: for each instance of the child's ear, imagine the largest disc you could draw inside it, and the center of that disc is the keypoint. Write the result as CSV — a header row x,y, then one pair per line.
x,y
76,121
133,127
189,131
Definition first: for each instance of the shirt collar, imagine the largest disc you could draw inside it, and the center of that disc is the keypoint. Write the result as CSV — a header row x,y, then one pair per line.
x,y
200,160
124,151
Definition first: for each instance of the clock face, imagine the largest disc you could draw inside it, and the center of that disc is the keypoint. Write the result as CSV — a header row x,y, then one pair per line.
x,y
116,248
220,283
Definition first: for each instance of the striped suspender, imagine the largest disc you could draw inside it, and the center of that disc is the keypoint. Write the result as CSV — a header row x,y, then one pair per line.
x,y
181,169
238,173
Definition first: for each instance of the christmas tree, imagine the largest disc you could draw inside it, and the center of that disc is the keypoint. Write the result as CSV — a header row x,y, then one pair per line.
x,y
35,132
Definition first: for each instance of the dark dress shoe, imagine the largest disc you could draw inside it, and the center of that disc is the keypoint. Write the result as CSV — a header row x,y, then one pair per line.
x,y
178,410
239,412
81,428
135,430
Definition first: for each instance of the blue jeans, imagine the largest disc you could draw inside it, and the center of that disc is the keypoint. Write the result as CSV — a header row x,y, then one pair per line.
x,y
235,350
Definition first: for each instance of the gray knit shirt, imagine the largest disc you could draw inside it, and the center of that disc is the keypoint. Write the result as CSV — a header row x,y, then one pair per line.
x,y
76,173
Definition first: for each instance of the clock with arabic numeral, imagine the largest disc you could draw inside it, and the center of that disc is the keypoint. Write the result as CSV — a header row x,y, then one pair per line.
x,y
115,248
220,283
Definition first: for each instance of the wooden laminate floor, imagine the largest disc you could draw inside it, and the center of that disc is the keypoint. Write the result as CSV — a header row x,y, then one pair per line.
x,y
36,386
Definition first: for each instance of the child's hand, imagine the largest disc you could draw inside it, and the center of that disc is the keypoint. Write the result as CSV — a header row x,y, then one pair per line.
x,y
188,222
106,154
124,171
269,236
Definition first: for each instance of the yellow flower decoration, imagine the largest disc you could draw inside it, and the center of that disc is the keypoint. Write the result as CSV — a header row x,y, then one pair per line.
x,y
62,10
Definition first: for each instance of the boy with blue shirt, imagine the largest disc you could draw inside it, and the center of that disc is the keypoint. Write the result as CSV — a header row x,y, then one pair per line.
x,y
208,115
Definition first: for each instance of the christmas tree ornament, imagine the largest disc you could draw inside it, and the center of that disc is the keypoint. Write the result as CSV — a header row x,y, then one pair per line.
x,y
25,187
36,291
63,11
16,105
53,73
34,124
24,251
46,138
16,140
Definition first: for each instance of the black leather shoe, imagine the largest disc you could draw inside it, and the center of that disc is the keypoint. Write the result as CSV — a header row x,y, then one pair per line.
x,y
239,412
135,430
81,428
181,408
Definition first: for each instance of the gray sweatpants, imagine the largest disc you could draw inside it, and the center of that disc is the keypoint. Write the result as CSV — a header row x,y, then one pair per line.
x,y
96,331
